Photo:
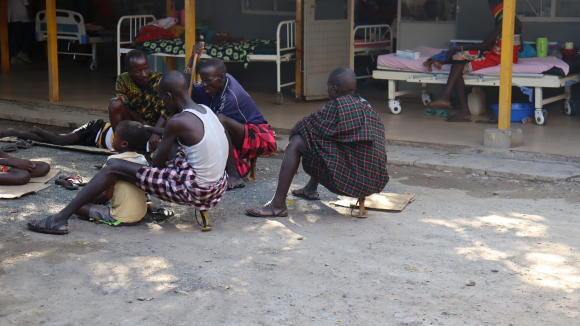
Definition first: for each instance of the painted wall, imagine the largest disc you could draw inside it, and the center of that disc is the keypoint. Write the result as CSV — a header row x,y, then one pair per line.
x,y
475,22
414,34
227,15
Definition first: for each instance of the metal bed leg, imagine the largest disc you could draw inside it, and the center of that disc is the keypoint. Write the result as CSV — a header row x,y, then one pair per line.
x,y
93,64
569,106
539,113
426,97
394,104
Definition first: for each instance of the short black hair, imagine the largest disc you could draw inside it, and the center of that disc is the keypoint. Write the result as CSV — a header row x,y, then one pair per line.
x,y
133,133
344,79
215,63
173,81
133,54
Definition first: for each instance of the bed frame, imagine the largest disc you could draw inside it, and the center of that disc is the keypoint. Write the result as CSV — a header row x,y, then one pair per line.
x,y
535,81
285,49
375,38
70,26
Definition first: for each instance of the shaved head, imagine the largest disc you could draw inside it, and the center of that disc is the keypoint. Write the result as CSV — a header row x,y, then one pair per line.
x,y
344,79
173,82
215,64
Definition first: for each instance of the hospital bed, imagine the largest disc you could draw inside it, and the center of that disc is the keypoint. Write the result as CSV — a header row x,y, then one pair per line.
x,y
367,39
529,74
285,48
70,26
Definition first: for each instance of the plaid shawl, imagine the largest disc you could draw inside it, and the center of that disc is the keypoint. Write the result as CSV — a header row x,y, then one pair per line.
x,y
346,147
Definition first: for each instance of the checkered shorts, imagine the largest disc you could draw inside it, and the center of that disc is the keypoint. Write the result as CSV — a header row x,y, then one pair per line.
x,y
260,140
176,183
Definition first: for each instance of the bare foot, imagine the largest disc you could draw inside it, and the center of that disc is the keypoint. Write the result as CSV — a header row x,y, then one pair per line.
x,y
439,65
235,182
429,64
7,133
439,104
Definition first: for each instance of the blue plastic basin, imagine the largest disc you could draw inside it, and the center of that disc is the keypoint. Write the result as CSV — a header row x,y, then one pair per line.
x,y
519,111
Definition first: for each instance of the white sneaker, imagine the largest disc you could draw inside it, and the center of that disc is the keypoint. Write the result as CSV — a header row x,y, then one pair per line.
x,y
24,57
16,61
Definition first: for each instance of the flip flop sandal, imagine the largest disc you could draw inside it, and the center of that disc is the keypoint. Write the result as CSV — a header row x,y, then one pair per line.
x,y
441,113
10,147
78,180
305,196
47,228
238,186
66,183
24,144
162,214
281,213
457,120
430,111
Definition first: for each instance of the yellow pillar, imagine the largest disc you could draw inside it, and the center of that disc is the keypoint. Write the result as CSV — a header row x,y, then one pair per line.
x,y
189,28
507,55
4,53
53,89
171,62
299,48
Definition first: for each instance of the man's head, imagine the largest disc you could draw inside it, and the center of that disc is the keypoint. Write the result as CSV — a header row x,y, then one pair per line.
x,y
129,136
342,81
213,76
494,3
172,87
138,67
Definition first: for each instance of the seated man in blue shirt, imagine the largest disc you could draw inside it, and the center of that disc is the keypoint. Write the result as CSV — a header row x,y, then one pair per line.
x,y
249,134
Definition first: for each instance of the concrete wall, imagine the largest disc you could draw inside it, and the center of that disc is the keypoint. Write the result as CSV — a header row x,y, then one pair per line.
x,y
436,35
475,21
227,15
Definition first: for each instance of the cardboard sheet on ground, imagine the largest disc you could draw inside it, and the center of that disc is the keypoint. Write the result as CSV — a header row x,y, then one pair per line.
x,y
35,185
85,149
379,202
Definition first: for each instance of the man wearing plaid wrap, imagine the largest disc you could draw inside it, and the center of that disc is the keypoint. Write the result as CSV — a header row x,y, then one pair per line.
x,y
249,134
191,178
342,147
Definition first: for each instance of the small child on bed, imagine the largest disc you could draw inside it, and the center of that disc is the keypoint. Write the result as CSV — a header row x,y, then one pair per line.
x,y
128,203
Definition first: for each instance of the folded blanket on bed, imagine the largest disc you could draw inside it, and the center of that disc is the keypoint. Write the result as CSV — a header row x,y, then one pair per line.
x,y
524,66
226,52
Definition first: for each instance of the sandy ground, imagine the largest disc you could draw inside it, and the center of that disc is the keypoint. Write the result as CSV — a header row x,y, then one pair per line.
x,y
517,241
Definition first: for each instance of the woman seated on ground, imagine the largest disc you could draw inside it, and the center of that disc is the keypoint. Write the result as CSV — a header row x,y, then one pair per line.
x,y
15,171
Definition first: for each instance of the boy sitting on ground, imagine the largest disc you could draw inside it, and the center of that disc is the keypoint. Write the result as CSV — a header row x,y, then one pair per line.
x,y
128,203
15,171
95,133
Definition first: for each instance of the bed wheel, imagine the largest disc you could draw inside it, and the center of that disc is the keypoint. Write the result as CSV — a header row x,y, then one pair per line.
x,y
297,99
427,97
569,107
279,98
395,106
93,65
540,116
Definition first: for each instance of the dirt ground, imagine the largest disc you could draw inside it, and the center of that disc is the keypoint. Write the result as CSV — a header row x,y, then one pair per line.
x,y
517,242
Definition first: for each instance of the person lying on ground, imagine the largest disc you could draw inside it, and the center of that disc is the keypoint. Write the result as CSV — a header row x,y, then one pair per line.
x,y
128,203
195,176
15,171
249,134
137,97
342,147
470,58
95,133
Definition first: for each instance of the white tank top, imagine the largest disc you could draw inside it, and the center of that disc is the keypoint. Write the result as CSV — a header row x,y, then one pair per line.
x,y
208,157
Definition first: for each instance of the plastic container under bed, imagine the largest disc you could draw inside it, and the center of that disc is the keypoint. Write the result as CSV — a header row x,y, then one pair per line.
x,y
519,111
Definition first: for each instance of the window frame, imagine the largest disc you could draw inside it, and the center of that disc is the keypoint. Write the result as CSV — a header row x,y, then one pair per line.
x,y
552,19
266,12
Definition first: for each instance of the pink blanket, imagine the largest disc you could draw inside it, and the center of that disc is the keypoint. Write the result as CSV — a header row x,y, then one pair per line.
x,y
524,66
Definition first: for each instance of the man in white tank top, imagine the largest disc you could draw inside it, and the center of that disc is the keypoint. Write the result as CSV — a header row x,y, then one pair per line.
x,y
195,177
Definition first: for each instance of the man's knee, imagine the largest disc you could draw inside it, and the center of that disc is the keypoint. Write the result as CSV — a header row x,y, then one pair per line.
x,y
115,105
19,177
296,143
42,169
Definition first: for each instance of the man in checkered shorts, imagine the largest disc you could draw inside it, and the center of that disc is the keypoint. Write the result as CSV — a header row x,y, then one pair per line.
x,y
342,147
195,176
249,134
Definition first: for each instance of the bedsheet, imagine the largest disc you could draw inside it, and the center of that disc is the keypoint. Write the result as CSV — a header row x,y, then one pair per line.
x,y
524,66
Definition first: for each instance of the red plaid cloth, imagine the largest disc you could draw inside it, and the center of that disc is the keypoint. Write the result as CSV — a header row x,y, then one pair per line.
x,y
260,140
176,183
